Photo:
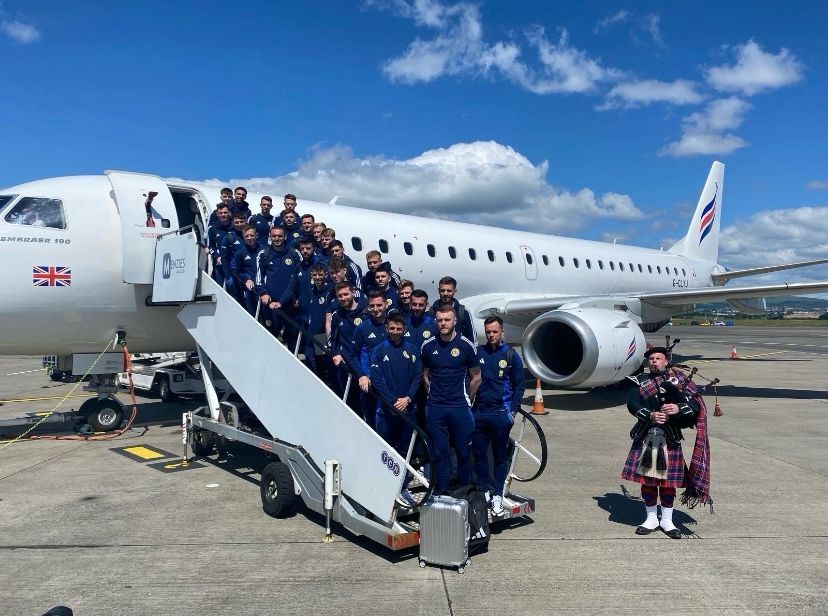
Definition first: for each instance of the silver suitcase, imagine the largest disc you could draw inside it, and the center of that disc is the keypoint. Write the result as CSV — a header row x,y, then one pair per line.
x,y
444,532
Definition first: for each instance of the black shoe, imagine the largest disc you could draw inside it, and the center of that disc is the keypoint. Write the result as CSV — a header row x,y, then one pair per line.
x,y
673,534
642,530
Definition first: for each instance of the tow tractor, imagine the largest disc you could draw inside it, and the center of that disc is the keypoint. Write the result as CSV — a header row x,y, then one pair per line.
x,y
169,375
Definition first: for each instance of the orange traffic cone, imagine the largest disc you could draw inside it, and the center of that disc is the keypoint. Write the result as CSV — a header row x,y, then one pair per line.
x,y
537,406
733,354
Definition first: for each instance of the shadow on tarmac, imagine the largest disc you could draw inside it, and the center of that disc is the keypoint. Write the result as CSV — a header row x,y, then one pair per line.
x,y
735,391
629,510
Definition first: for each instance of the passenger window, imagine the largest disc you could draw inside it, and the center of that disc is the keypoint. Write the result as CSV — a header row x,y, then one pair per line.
x,y
600,264
561,261
37,212
472,254
509,256
621,265
683,272
383,246
612,266
658,267
491,255
408,248
575,261
640,269
545,259
589,264
675,270
431,251
356,243
452,252
528,258
650,268
632,269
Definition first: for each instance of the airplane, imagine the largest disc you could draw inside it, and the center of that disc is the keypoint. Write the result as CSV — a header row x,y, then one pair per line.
x,y
80,253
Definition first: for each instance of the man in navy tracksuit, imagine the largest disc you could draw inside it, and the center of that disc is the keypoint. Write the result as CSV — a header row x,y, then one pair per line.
x,y
354,272
289,203
404,290
216,240
276,268
382,279
447,287
292,227
307,259
367,336
238,205
341,326
451,372
497,403
226,196
313,305
263,221
419,327
233,242
243,269
396,374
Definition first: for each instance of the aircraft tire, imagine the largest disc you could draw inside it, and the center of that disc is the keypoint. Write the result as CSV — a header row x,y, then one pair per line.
x,y
164,391
105,415
277,490
203,443
56,376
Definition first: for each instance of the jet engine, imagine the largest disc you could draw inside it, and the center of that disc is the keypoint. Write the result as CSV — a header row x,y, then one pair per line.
x,y
583,347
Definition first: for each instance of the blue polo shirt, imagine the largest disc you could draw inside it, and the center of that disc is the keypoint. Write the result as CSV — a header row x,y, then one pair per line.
x,y
448,364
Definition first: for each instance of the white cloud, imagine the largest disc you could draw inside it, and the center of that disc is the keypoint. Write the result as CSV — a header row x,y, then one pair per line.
x,y
458,48
755,70
817,185
19,32
611,20
778,236
480,182
652,26
646,91
704,132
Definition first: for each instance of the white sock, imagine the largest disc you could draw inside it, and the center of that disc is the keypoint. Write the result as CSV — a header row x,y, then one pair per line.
x,y
651,523
667,518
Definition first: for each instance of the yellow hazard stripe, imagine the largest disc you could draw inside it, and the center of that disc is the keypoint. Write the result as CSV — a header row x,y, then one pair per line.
x,y
45,398
145,453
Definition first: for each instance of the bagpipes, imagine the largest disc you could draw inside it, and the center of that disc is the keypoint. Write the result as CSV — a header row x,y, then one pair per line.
x,y
653,460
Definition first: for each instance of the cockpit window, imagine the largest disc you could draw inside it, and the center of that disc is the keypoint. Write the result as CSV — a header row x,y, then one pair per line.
x,y
4,199
37,212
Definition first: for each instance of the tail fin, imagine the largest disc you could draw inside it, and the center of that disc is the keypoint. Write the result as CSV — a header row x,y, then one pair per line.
x,y
702,239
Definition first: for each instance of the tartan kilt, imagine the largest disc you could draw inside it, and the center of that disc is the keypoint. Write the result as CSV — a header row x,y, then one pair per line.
x,y
676,468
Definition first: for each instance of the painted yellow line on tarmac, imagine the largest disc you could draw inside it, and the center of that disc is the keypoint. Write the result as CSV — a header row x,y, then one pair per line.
x,y
145,453
708,361
44,398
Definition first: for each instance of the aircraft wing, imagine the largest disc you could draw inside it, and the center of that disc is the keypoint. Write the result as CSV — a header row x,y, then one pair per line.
x,y
526,306
756,271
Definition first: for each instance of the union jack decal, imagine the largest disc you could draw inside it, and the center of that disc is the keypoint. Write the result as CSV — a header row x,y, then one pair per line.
x,y
631,349
708,215
51,276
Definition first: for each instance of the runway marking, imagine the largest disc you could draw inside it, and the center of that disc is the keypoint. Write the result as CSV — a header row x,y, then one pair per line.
x,y
142,453
175,467
25,372
761,354
45,398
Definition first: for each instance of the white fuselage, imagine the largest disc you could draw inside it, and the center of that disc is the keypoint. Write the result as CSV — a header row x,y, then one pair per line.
x,y
83,317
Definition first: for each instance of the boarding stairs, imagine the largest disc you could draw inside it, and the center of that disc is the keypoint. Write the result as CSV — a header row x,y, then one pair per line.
x,y
339,466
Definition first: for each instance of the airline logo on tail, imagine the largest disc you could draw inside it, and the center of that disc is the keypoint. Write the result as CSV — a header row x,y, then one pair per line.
x,y
631,349
708,215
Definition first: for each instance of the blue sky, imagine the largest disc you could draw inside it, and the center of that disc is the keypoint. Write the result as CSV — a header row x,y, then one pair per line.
x,y
592,119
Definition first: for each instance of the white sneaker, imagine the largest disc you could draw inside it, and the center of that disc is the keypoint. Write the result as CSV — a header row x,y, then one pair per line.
x,y
497,505
406,499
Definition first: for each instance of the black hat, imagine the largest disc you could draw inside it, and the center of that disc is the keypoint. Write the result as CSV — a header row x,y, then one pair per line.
x,y
657,349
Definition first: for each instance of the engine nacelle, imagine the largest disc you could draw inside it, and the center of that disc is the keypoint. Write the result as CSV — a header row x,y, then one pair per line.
x,y
583,347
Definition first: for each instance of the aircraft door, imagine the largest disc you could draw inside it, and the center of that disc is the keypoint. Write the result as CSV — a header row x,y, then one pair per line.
x,y
530,263
147,210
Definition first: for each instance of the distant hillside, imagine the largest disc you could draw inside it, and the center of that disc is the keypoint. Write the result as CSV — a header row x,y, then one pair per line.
x,y
792,302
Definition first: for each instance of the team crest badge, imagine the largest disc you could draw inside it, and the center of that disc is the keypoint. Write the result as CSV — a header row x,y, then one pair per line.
x,y
388,302
321,300
426,333
288,261
357,321
502,363
455,352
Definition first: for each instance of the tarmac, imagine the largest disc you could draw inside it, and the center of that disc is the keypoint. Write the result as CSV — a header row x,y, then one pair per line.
x,y
99,532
